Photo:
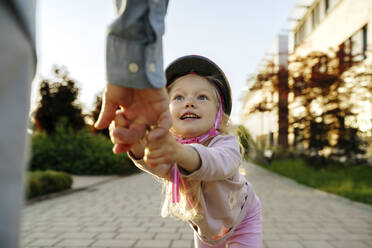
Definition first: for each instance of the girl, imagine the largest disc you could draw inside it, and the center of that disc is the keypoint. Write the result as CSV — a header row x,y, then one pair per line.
x,y
198,160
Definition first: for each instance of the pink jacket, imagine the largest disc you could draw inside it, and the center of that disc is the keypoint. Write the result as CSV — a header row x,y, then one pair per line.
x,y
226,195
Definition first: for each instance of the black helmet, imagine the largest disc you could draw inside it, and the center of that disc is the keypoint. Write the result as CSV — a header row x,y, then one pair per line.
x,y
203,67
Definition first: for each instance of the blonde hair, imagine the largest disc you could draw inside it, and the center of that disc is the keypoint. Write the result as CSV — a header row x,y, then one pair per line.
x,y
188,206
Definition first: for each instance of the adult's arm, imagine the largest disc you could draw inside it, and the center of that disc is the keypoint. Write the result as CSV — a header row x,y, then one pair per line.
x,y
134,44
135,68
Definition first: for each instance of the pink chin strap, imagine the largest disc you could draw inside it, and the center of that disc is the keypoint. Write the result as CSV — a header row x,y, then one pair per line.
x,y
176,177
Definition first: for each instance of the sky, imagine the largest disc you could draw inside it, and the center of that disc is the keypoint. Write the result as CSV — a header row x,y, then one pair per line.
x,y
234,34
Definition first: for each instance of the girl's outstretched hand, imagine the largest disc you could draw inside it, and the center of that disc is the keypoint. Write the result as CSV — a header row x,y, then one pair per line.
x,y
168,151
162,151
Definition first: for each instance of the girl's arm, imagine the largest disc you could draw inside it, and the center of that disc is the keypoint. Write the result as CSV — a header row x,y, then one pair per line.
x,y
220,160
187,158
169,151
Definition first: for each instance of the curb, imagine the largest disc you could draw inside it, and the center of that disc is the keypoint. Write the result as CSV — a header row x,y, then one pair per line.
x,y
68,191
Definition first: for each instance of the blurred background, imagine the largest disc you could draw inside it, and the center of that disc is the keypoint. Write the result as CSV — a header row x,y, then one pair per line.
x,y
300,73
312,90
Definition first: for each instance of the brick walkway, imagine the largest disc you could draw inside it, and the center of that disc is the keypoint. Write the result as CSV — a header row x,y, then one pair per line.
x,y
125,213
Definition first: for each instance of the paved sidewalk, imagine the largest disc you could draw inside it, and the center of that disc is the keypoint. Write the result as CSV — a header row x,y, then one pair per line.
x,y
125,213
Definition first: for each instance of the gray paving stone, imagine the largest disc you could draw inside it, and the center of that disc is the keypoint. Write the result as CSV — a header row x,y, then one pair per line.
x,y
172,224
187,236
64,229
45,235
153,224
316,244
283,244
349,244
129,229
78,235
338,230
317,236
26,241
167,236
99,229
113,243
140,235
128,210
289,236
272,236
358,230
182,244
161,230
353,236
76,242
106,235
153,243
44,242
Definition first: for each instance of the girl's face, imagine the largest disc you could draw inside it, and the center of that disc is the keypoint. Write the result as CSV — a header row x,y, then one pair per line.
x,y
193,106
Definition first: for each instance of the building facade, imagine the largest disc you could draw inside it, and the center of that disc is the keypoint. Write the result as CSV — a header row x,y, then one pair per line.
x,y
265,125
343,27
329,23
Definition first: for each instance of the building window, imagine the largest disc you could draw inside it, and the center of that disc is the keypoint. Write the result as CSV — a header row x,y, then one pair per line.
x,y
315,16
326,5
310,23
354,49
318,13
365,42
333,3
300,34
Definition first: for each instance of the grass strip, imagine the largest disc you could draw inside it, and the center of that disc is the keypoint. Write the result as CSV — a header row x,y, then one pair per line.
x,y
353,182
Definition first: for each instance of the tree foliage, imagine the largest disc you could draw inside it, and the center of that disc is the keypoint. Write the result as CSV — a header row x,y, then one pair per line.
x,y
328,92
58,99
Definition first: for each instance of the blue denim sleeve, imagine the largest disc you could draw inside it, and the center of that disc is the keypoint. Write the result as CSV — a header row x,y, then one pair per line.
x,y
134,49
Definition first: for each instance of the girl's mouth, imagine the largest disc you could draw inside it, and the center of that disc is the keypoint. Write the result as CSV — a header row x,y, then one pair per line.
x,y
189,116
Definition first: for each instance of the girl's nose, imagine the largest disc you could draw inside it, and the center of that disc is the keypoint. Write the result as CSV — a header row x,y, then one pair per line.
x,y
189,103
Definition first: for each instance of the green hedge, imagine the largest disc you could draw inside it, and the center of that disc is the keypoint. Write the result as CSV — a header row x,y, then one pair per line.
x,y
45,182
77,152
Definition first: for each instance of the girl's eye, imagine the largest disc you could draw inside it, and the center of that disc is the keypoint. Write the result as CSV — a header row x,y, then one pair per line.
x,y
178,98
203,97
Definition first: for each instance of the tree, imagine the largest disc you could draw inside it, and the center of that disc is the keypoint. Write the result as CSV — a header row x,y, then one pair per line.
x,y
329,92
273,80
58,99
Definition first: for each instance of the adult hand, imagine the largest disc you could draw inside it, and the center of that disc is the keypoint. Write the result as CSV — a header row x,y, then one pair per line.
x,y
141,108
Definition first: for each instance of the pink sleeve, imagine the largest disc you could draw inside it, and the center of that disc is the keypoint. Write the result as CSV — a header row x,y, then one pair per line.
x,y
220,160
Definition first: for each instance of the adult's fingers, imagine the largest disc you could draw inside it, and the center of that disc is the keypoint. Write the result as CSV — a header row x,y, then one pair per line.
x,y
130,135
164,123
160,105
120,148
120,120
112,97
107,114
